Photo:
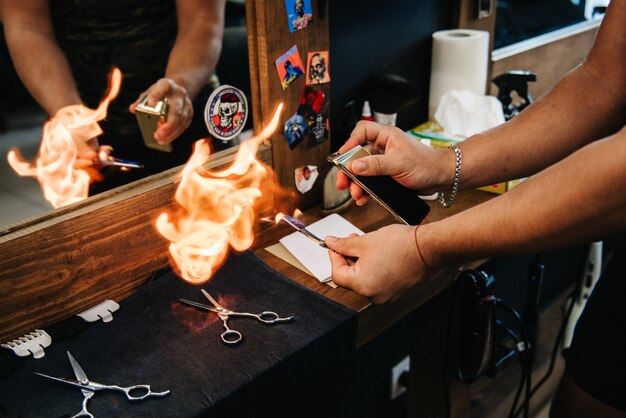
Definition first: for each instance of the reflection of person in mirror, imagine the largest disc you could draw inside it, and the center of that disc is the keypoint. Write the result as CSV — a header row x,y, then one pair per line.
x,y
63,52
317,69
574,155
302,19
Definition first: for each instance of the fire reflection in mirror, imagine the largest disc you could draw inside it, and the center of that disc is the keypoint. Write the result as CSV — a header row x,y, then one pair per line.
x,y
62,181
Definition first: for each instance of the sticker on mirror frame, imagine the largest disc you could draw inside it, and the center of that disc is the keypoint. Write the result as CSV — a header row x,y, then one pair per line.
x,y
317,68
312,108
295,130
305,177
299,14
289,67
226,112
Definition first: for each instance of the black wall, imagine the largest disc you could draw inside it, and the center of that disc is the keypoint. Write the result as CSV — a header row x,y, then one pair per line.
x,y
372,37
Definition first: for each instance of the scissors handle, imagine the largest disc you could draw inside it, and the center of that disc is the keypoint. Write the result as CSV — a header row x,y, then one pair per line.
x,y
231,337
84,412
267,317
137,392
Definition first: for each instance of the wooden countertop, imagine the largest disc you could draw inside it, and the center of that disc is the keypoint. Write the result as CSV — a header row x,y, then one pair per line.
x,y
107,247
373,319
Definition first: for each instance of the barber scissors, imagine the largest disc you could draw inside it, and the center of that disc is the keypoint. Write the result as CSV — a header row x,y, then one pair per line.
x,y
231,336
133,393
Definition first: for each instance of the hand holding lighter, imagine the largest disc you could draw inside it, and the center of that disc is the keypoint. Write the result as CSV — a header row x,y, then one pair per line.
x,y
403,203
149,118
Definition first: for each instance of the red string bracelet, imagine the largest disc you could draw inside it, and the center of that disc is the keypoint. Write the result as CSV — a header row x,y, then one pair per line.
x,y
418,248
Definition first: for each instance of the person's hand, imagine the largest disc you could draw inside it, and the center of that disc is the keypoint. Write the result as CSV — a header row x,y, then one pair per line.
x,y
179,108
409,162
387,262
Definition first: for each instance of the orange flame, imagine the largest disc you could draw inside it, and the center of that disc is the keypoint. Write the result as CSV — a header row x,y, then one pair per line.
x,y
297,213
62,183
216,208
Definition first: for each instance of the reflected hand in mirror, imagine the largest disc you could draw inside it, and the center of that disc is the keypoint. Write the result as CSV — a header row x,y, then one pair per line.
x,y
63,54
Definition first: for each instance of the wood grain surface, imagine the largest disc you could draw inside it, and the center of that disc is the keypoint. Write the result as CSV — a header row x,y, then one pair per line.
x,y
267,22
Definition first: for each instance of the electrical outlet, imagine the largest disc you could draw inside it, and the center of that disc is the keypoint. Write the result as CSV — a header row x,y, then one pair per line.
x,y
398,387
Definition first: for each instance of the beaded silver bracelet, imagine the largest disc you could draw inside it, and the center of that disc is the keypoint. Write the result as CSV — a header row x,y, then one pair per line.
x,y
457,179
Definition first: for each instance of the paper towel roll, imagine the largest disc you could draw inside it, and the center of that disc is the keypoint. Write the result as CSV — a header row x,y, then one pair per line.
x,y
459,62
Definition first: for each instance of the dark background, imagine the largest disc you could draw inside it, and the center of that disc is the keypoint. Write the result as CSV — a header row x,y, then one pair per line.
x,y
368,38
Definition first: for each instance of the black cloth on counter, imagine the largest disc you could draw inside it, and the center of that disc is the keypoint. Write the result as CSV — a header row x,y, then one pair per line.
x,y
154,339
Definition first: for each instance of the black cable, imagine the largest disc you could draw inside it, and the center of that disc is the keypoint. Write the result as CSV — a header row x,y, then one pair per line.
x,y
523,360
517,340
446,356
555,351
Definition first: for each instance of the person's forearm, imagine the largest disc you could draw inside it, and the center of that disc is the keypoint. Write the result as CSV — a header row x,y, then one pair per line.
x,y
43,68
586,105
198,45
578,199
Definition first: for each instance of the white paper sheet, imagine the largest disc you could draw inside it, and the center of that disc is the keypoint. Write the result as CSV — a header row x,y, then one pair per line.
x,y
311,255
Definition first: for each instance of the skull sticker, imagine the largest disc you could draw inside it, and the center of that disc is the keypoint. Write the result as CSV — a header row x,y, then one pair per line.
x,y
226,112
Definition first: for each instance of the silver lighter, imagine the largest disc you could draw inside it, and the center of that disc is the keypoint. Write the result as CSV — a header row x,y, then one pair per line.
x,y
148,118
401,202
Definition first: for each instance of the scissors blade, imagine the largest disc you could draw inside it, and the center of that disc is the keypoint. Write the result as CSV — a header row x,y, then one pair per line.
x,y
65,380
197,304
213,301
80,374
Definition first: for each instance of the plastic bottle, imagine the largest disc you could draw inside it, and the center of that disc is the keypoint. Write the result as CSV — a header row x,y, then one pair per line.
x,y
366,113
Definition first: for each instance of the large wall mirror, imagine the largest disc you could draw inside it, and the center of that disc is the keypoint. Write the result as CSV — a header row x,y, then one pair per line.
x,y
528,35
520,20
22,120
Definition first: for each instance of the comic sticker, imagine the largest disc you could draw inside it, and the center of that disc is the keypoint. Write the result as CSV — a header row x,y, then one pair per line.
x,y
305,177
295,130
226,112
317,68
289,67
312,109
299,14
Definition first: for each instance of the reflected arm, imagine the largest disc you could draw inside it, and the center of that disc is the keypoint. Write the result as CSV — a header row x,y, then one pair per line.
x,y
39,61
198,43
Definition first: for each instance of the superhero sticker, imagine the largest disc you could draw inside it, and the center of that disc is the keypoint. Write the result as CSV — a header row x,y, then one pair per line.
x,y
226,112
299,14
289,67
317,68
310,120
295,129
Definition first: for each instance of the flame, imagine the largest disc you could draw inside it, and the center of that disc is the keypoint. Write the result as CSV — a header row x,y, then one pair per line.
x,y
297,213
215,208
61,182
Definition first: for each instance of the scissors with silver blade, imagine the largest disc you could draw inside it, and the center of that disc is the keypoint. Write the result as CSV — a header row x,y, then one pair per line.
x,y
231,336
89,387
299,226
